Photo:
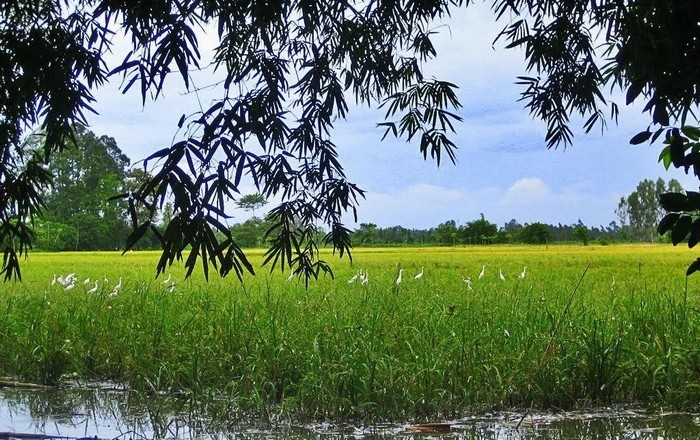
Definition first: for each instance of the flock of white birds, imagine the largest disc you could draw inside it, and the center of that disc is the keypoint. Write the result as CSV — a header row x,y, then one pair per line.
x,y
69,282
363,276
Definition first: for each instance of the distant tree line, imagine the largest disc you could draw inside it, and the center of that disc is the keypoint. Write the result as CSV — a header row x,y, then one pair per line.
x,y
482,232
251,233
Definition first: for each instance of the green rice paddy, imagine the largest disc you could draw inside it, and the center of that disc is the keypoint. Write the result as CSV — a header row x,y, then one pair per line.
x,y
585,326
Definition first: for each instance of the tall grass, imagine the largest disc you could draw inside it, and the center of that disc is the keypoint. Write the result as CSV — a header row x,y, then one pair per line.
x,y
425,348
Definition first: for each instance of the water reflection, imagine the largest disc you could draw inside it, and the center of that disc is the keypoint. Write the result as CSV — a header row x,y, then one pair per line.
x,y
108,413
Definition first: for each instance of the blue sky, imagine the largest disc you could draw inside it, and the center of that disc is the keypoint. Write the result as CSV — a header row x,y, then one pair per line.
x,y
503,171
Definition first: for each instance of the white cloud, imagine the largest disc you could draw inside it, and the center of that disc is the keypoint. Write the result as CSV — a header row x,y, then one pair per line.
x,y
527,191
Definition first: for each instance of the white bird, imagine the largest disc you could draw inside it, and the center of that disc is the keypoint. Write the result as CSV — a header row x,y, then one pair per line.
x,y
290,277
354,277
420,275
483,272
398,280
500,274
53,281
105,279
171,288
613,283
117,288
61,281
94,289
167,280
70,286
523,273
468,282
71,277
87,281
365,278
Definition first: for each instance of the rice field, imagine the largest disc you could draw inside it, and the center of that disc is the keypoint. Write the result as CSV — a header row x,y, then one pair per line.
x,y
584,326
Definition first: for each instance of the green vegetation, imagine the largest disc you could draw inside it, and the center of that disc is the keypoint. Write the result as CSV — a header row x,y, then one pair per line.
x,y
426,348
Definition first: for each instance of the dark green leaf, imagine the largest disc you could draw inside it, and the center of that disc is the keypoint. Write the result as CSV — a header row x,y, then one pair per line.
x,y
681,229
633,91
694,236
694,267
667,222
675,202
693,133
640,138
677,149
693,199
660,115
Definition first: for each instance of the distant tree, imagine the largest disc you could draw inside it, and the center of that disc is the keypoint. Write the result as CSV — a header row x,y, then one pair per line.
x,y
535,233
250,233
90,171
480,231
251,202
581,234
510,231
366,235
512,226
640,211
394,235
166,215
446,233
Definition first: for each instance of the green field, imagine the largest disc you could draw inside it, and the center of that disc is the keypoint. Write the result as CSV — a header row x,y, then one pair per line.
x,y
425,348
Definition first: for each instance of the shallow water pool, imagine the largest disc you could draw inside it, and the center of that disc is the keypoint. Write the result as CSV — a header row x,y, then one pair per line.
x,y
106,412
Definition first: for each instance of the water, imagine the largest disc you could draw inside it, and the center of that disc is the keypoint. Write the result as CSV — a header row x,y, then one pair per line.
x,y
108,413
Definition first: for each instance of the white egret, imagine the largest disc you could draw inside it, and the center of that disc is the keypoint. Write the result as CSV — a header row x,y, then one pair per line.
x,y
117,288
523,273
468,282
290,277
94,289
399,279
167,280
420,275
365,278
354,277
53,281
70,286
171,288
87,281
483,272
500,274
